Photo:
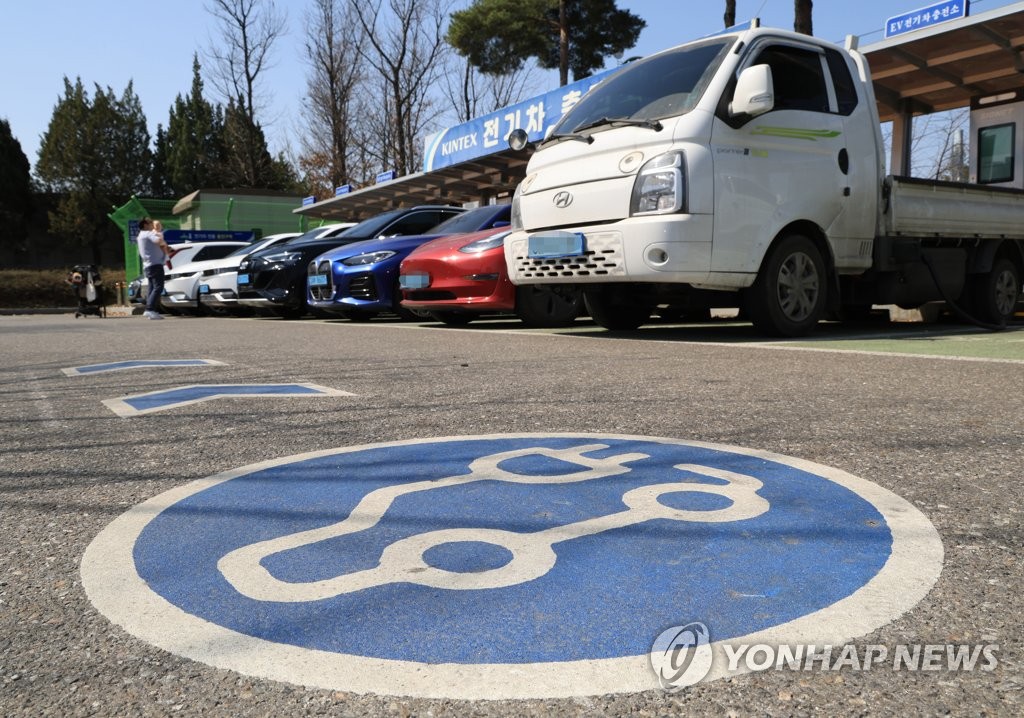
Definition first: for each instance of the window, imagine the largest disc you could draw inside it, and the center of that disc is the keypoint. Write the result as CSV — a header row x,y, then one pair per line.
x,y
995,154
216,251
798,78
663,85
415,223
846,91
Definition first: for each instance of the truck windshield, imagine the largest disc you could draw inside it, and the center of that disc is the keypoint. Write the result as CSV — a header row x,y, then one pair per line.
x,y
665,85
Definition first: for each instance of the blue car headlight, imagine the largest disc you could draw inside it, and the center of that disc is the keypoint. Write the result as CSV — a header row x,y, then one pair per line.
x,y
368,258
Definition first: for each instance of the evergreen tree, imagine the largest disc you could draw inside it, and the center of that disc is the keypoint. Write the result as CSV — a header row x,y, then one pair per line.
x,y
15,189
195,141
498,36
95,153
158,182
247,161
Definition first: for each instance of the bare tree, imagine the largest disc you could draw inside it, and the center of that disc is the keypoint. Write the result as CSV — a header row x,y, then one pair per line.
x,y
474,93
331,46
248,30
242,51
404,47
938,150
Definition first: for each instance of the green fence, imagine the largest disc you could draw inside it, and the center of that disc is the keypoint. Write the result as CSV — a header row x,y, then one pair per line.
x,y
261,217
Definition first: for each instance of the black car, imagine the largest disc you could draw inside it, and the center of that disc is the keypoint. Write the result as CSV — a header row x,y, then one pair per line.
x,y
274,280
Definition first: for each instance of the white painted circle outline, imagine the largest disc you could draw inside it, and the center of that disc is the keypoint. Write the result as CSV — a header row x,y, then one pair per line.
x,y
117,591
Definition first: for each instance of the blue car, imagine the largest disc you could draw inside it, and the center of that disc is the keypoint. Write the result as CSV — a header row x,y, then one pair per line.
x,y
360,280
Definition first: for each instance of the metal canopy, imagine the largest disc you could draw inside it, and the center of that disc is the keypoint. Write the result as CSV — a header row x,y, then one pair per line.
x,y
944,66
480,180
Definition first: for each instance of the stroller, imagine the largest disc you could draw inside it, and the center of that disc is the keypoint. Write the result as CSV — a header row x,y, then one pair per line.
x,y
87,285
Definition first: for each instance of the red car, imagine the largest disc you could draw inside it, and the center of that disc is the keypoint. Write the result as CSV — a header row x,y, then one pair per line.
x,y
455,279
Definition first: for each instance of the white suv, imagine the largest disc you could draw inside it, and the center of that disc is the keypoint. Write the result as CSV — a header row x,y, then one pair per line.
x,y
187,285
184,253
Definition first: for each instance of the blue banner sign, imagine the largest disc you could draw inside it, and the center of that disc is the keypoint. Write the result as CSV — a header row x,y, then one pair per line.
x,y
133,230
488,134
308,200
177,236
926,17
344,189
385,176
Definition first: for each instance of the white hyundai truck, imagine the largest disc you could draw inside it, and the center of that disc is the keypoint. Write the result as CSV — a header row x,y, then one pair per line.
x,y
747,170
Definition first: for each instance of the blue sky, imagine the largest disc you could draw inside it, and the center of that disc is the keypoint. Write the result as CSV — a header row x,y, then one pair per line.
x,y
114,41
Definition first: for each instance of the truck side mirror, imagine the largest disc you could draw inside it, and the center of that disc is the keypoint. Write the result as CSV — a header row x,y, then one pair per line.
x,y
755,92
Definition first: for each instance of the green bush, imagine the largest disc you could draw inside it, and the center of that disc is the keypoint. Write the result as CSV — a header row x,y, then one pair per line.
x,y
48,288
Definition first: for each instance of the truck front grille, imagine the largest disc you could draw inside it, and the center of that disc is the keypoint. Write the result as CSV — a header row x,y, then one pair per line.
x,y
602,258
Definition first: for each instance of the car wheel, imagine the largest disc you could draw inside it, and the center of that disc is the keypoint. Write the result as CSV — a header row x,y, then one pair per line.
x,y
617,310
453,319
788,297
358,315
406,315
541,306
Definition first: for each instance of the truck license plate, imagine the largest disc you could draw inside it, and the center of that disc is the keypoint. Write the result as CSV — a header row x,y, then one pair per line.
x,y
556,244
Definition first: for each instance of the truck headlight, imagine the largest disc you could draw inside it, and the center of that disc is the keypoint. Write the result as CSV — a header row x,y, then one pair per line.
x,y
660,186
516,219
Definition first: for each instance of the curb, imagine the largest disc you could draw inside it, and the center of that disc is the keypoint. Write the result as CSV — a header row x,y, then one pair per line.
x,y
113,310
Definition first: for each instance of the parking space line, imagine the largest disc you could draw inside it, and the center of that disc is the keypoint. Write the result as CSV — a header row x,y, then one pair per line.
x,y
137,364
154,401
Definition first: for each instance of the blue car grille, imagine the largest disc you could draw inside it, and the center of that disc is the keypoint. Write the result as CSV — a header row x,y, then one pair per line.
x,y
362,286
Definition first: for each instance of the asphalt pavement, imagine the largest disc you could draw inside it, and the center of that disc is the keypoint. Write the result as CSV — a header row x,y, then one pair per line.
x,y
925,415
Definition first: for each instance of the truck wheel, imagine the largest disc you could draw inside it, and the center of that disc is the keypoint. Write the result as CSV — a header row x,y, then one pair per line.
x,y
788,297
540,306
994,295
617,310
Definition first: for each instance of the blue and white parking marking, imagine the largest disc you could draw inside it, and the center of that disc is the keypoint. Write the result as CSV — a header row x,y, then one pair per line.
x,y
177,397
518,566
137,364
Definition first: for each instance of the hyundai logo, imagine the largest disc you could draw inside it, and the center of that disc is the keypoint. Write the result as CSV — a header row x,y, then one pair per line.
x,y
562,199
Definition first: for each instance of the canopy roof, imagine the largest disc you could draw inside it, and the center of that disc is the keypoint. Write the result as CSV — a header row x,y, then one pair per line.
x,y
944,66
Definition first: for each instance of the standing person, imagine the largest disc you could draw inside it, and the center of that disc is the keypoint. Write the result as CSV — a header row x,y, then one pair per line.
x,y
154,252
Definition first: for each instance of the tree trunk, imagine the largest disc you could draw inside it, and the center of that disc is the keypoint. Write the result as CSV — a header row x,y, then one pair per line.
x,y
563,45
802,16
730,13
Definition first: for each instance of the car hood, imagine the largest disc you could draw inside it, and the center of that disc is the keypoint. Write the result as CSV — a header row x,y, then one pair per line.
x,y
308,249
453,242
192,267
394,244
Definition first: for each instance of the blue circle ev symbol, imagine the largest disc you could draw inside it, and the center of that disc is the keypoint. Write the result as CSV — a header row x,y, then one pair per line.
x,y
520,550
